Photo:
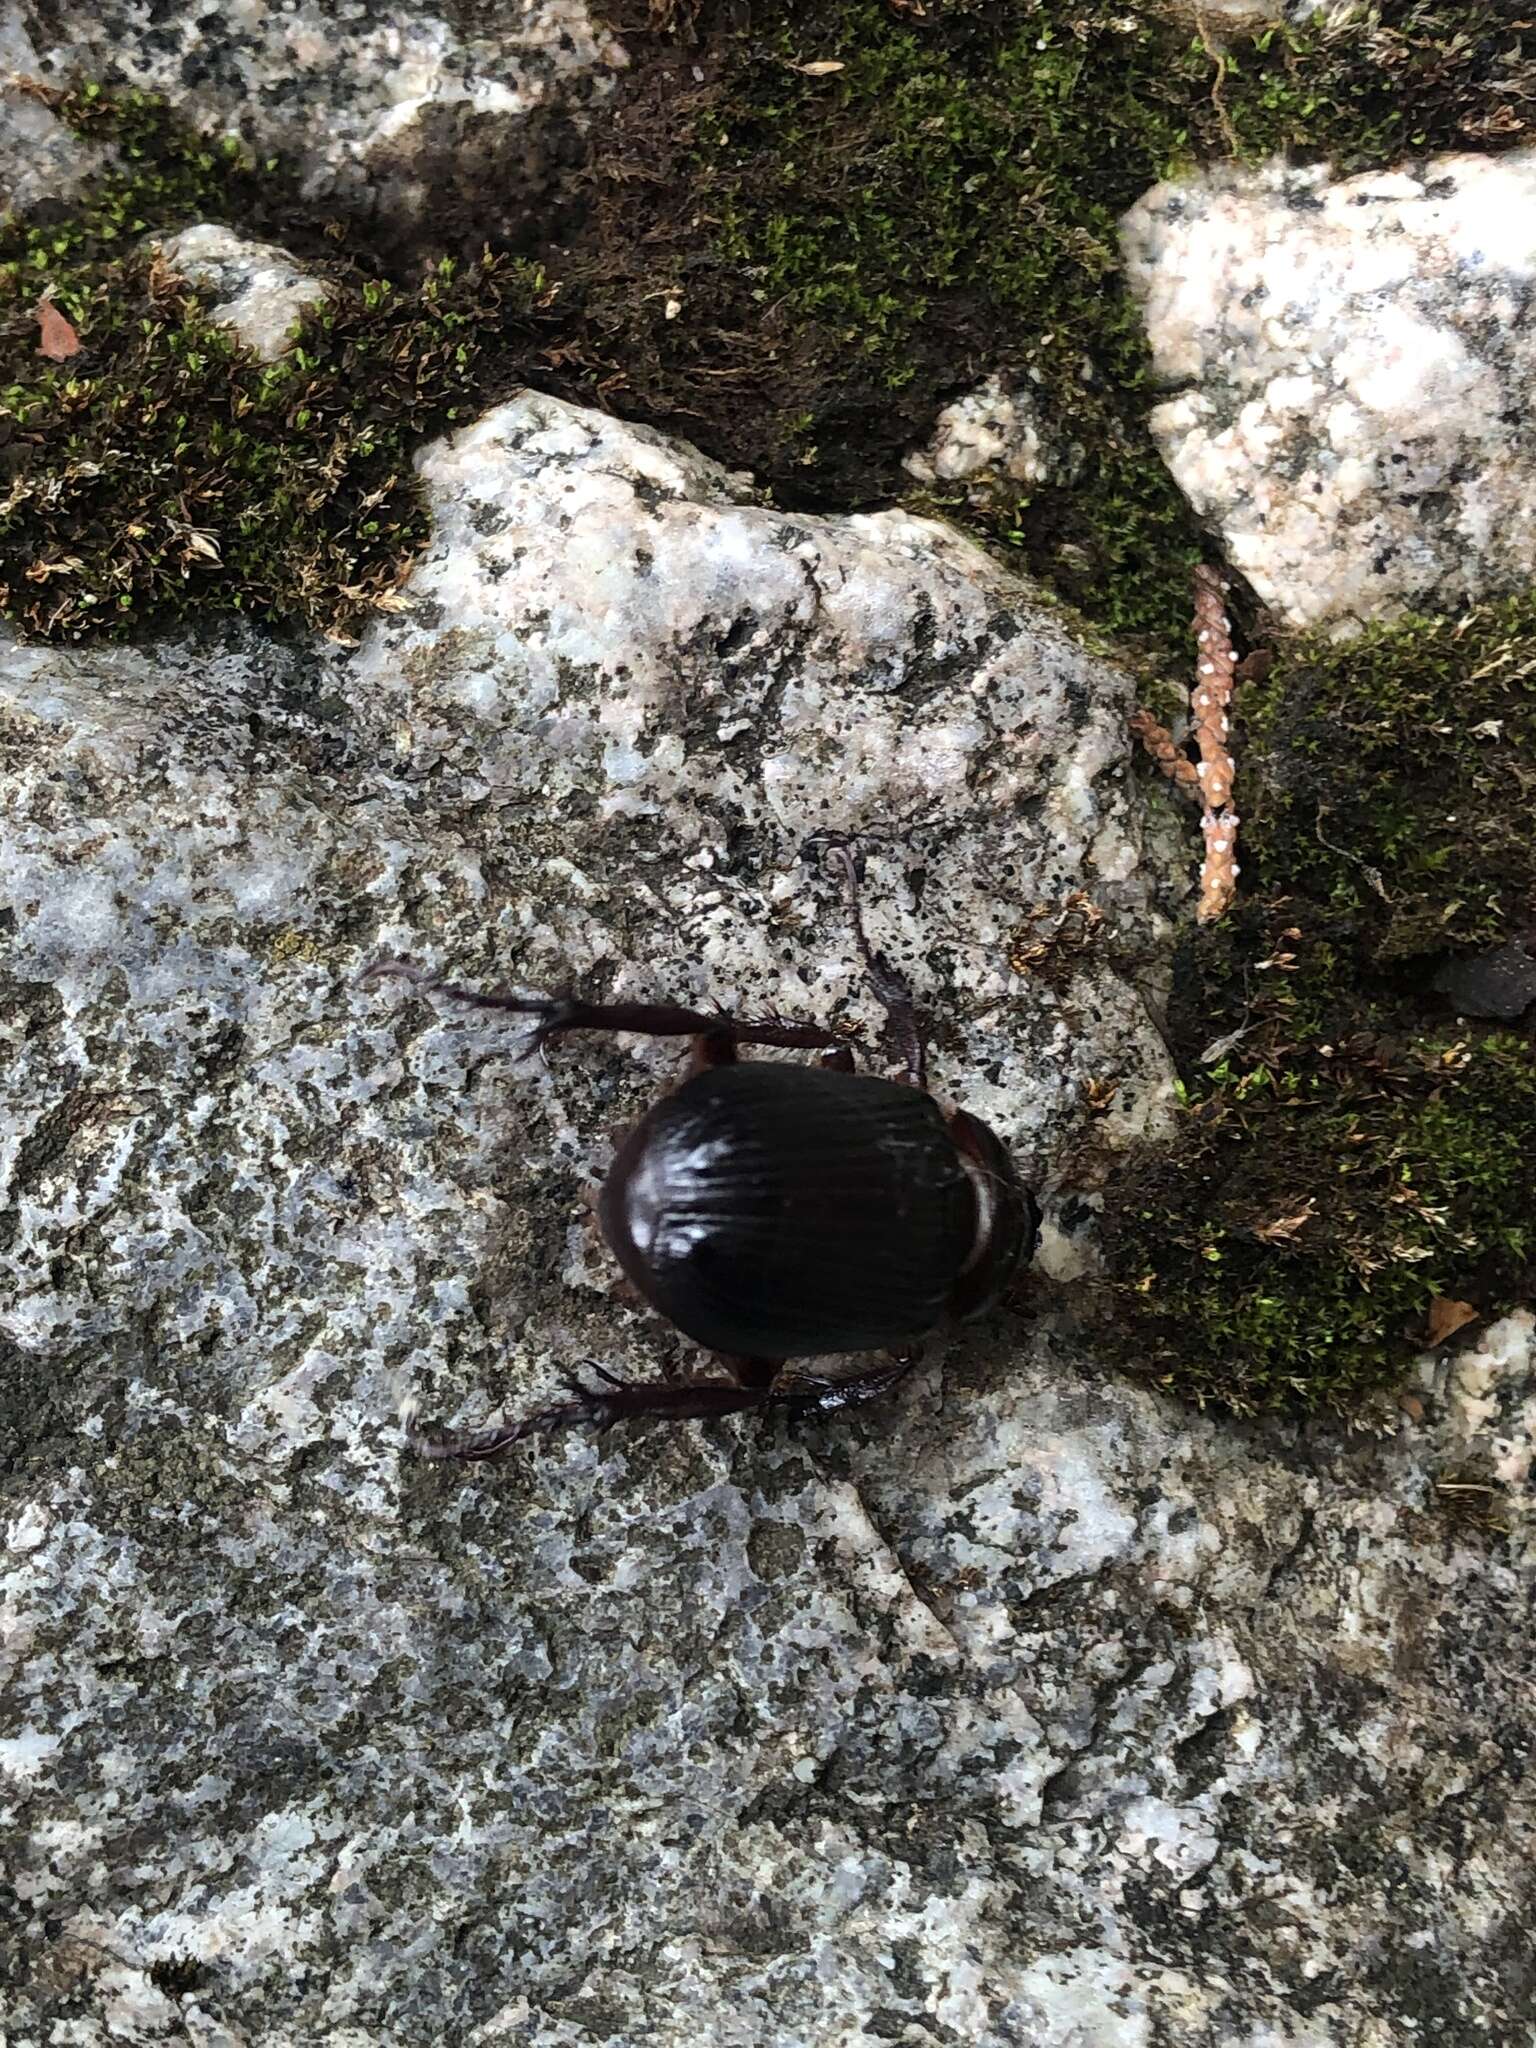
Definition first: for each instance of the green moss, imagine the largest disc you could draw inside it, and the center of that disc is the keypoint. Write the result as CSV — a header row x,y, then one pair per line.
x,y
165,175
1287,1247
1348,1151
944,205
1394,779
1321,1190
163,469
1383,80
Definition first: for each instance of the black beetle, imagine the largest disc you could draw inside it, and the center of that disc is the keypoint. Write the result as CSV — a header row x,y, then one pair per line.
x,y
774,1212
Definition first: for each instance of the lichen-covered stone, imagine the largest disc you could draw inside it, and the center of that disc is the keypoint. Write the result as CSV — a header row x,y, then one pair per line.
x,y
391,108
1028,1708
259,291
1348,364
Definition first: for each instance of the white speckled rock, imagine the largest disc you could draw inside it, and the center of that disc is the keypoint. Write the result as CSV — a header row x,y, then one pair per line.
x,y
993,432
1350,365
260,290
1216,19
39,157
394,108
609,640
1025,1709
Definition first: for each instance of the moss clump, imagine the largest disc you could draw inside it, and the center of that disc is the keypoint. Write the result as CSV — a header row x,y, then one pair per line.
x,y
164,470
1394,779
166,176
1382,80
1349,1150
1323,1190
863,243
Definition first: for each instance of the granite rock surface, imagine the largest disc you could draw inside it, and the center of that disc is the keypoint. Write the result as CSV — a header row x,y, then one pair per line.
x,y
40,158
1346,366
1028,1708
412,116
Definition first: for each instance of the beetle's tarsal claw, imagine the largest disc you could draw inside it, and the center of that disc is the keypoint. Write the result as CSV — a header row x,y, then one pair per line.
x,y
461,1446
554,1015
550,1015
841,858
593,1405
400,970
611,1378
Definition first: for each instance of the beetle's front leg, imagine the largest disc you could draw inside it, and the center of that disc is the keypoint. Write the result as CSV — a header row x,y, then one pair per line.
x,y
891,988
554,1016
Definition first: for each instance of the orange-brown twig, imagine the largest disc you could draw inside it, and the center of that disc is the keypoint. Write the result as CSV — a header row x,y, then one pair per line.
x,y
1215,664
1164,749
1209,780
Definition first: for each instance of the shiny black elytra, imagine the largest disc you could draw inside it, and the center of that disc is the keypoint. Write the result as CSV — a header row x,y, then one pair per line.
x,y
773,1212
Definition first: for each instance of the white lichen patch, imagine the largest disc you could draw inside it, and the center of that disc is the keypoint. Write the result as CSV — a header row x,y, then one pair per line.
x,y
1347,365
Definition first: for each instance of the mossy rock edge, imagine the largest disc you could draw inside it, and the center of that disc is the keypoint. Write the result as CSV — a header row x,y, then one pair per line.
x,y
1349,1149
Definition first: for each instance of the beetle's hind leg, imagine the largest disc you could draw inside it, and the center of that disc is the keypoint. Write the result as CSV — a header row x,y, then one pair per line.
x,y
598,1408
892,989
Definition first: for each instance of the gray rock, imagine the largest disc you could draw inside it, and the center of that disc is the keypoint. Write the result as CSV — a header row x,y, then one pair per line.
x,y
39,157
1027,1708
1348,364
1499,983
433,120
611,644
260,291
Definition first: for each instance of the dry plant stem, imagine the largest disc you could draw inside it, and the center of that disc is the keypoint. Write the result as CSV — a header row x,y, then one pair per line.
x,y
1207,782
1215,665
1218,871
1162,746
